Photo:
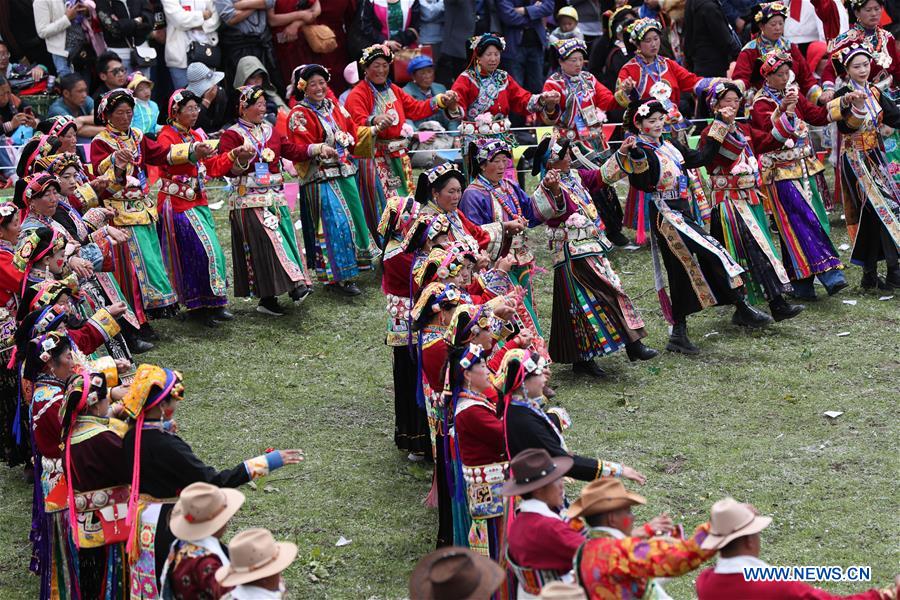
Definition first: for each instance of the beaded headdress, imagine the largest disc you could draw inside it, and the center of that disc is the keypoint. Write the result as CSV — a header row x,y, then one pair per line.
x,y
768,10
641,27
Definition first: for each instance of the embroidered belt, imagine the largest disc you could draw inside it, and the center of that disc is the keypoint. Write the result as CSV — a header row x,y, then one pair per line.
x,y
186,189
733,182
483,485
107,498
864,140
276,180
783,158
667,195
472,127
392,146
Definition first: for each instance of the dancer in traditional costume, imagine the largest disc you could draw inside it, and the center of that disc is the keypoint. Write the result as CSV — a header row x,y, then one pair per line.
x,y
739,221
488,96
383,105
164,465
584,102
649,75
12,452
187,234
492,198
122,153
98,475
266,260
334,226
871,196
700,271
779,119
592,314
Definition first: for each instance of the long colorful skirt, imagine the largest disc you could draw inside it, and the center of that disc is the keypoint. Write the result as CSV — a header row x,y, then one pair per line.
x,y
872,200
741,226
588,320
54,555
329,234
806,249
381,178
266,260
193,256
141,273
103,572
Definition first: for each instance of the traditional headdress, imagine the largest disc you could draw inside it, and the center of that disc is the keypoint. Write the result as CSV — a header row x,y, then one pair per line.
x,y
472,356
7,207
615,17
35,245
55,164
399,212
34,324
179,100
841,57
429,178
855,5
441,264
773,60
301,76
248,95
425,227
484,149
57,126
37,185
479,43
471,319
642,109
151,385
35,148
566,48
46,293
768,10
110,101
434,297
718,90
550,149
641,27
373,52
519,363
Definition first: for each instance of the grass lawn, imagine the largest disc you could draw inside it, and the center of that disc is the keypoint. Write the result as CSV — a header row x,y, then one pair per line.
x,y
743,419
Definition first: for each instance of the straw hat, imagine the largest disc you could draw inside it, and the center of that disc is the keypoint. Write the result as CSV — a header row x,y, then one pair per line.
x,y
730,520
533,469
203,509
455,573
255,555
603,495
557,590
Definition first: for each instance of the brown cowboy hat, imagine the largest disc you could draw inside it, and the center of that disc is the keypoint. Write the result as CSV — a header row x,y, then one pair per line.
x,y
455,573
203,509
533,469
603,495
255,555
730,520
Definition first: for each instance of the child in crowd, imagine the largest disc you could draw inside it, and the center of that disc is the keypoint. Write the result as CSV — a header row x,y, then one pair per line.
x,y
146,111
567,19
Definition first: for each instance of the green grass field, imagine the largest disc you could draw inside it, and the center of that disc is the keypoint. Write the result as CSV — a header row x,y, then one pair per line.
x,y
745,418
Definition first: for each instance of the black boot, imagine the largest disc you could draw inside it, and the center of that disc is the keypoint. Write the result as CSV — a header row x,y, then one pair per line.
x,y
148,334
203,317
638,351
347,288
590,368
618,238
134,342
870,280
679,342
299,293
269,306
893,277
781,310
221,314
747,316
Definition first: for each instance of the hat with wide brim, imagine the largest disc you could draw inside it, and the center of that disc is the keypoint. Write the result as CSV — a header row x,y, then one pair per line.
x,y
603,495
255,555
455,573
729,520
200,78
533,469
203,509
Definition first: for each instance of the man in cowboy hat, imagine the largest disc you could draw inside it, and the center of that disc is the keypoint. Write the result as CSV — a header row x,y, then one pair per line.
x,y
257,562
198,521
734,532
619,560
452,573
540,543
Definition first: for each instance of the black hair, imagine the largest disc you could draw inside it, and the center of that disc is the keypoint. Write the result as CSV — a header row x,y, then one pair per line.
x,y
74,398
27,150
68,82
631,112
104,59
425,187
33,363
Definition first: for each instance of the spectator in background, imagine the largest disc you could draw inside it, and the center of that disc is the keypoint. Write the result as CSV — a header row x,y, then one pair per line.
x,y
459,26
76,103
244,31
52,18
338,15
392,22
13,118
432,23
802,25
112,74
526,40
567,21
610,53
251,72
187,22
287,21
738,12
423,87
19,34
204,83
590,18
710,43
126,25
146,111
9,68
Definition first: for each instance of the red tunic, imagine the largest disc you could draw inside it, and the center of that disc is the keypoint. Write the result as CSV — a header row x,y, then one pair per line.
x,y
46,401
280,145
152,153
713,586
680,79
762,129
194,573
542,542
361,105
512,99
10,277
746,64
434,357
216,166
598,95
881,41
479,433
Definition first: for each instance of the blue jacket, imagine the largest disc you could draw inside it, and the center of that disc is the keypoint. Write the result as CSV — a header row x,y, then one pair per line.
x,y
514,24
